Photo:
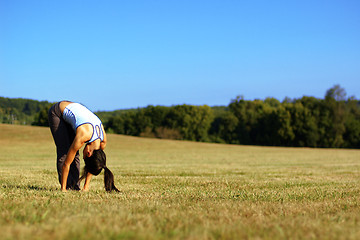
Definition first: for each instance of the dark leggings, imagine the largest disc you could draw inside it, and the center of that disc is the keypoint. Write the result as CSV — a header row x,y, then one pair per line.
x,y
64,135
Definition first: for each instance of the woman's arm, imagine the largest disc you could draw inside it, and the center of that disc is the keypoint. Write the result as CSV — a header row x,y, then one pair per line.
x,y
87,182
75,146
103,143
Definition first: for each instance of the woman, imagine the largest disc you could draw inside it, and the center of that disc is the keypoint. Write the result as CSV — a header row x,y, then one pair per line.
x,y
73,125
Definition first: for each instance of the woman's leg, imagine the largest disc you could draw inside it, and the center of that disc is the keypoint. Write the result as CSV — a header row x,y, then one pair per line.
x,y
63,136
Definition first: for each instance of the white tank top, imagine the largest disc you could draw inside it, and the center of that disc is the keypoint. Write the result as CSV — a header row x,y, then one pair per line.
x,y
76,115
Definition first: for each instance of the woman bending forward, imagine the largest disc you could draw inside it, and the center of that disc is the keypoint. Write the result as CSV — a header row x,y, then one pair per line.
x,y
73,125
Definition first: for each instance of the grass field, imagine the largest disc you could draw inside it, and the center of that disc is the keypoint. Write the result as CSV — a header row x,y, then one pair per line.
x,y
180,190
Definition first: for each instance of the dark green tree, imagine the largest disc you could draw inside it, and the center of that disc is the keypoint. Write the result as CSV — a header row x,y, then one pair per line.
x,y
335,104
41,118
223,128
352,124
303,125
192,122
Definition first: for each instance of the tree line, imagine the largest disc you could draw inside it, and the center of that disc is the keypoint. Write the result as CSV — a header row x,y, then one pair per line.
x,y
306,122
20,111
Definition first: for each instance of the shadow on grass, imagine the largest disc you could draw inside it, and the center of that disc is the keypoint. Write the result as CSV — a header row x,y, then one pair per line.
x,y
28,187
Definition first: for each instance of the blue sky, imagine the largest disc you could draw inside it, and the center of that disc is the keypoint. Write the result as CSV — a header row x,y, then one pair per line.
x,y
125,54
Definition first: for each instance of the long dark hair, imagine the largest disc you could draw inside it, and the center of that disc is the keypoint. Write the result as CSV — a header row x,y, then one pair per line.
x,y
94,164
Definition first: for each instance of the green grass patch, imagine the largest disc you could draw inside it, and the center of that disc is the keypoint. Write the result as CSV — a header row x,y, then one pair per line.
x,y
180,190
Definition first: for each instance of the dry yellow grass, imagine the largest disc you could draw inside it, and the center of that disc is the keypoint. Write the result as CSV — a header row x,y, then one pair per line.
x,y
180,190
